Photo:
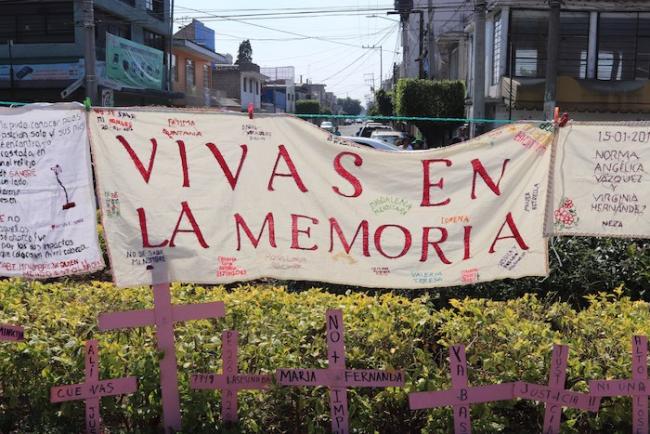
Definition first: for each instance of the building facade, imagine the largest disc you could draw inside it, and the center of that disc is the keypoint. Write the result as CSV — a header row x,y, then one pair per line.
x,y
279,90
193,64
241,83
433,38
603,60
42,43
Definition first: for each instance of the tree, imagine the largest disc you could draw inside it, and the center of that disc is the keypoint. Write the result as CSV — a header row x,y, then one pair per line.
x,y
436,99
307,107
245,54
350,106
383,103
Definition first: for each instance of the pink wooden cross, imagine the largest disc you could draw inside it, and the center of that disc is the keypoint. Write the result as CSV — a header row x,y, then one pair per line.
x,y
460,396
555,396
11,333
93,389
638,387
230,382
163,316
337,378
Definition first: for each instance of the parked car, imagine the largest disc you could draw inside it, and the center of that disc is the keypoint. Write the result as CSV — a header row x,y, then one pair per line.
x,y
388,136
368,128
372,143
328,126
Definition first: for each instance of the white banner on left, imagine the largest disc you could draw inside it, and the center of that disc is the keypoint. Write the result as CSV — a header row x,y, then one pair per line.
x,y
48,223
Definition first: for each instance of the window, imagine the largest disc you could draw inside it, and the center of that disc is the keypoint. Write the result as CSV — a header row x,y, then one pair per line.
x,y
155,8
574,44
623,51
37,23
245,84
257,88
190,74
643,48
108,23
154,40
496,50
206,76
529,38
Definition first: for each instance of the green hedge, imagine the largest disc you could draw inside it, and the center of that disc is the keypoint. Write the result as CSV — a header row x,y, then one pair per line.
x,y
427,98
506,341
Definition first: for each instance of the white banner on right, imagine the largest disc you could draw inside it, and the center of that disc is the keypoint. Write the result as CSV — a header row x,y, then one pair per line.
x,y
601,184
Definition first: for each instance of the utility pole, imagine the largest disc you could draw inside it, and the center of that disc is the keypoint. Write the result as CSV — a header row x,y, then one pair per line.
x,y
478,91
11,69
552,56
381,60
90,58
170,68
431,41
422,51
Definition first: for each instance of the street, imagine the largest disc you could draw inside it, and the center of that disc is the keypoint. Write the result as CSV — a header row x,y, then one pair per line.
x,y
349,130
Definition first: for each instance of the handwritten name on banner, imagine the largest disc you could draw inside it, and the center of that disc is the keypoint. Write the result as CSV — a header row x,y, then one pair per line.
x,y
48,224
601,184
219,198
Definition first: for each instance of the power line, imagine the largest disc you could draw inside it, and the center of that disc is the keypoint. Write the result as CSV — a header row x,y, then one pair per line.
x,y
337,37
321,11
280,30
366,53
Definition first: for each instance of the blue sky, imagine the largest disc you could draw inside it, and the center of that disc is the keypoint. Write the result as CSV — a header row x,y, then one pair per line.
x,y
319,60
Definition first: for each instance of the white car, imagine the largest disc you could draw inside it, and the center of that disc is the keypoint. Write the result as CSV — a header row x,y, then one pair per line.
x,y
388,136
328,126
372,143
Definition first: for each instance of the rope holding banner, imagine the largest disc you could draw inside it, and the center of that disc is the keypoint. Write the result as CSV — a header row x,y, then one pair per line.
x,y
87,104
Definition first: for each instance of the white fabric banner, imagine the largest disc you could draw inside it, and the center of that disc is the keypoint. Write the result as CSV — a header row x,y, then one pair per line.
x,y
48,219
217,198
601,186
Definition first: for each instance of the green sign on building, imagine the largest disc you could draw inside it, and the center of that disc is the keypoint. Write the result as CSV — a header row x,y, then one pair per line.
x,y
133,64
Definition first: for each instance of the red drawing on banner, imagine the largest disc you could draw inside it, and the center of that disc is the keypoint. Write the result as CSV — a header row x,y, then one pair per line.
x,y
469,276
460,396
566,215
337,378
227,267
531,141
231,381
